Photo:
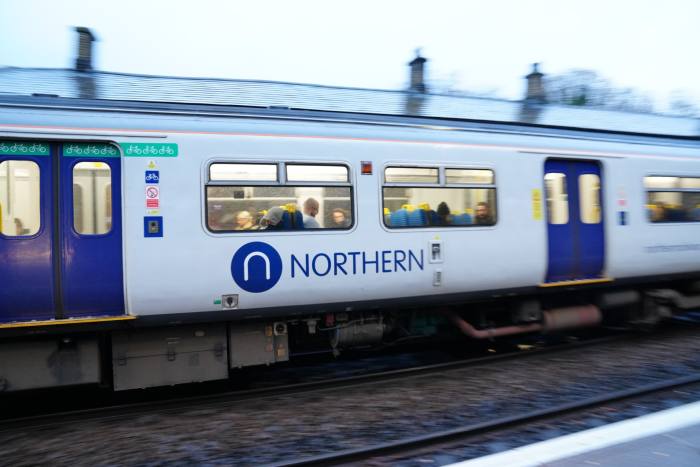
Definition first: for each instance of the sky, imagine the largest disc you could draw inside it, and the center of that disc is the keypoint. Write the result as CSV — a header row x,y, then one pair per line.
x,y
478,46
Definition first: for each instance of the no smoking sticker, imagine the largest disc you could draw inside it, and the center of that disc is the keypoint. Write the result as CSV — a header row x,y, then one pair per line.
x,y
152,197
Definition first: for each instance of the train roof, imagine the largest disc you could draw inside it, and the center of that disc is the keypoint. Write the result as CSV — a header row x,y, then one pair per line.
x,y
108,87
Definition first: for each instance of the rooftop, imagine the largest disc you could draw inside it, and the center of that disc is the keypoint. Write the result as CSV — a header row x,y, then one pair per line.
x,y
70,83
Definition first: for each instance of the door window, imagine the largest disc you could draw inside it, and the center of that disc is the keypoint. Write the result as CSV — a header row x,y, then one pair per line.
x,y
92,198
557,198
589,198
20,214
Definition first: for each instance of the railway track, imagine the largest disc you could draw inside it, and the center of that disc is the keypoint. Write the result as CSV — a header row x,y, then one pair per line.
x,y
407,446
220,400
374,418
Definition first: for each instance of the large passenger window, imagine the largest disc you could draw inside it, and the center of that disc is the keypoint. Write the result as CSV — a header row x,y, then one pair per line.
x,y
92,198
673,199
311,197
456,198
20,206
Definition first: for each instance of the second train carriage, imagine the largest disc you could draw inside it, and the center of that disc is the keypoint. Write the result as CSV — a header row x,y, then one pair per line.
x,y
135,233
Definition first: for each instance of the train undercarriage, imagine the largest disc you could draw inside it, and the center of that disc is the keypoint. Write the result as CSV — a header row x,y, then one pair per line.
x,y
135,358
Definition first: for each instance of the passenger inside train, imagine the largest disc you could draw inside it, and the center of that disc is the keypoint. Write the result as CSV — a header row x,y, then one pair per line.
x,y
411,192
311,197
244,221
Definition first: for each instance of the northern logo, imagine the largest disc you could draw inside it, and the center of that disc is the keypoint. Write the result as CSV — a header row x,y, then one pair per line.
x,y
256,267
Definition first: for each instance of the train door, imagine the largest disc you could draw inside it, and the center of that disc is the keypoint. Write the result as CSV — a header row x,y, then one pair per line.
x,y
90,231
26,260
575,231
60,231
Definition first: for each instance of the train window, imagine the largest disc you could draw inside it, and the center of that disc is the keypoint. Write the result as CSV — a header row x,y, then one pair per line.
x,y
317,173
411,175
557,198
92,198
243,172
325,203
589,198
442,206
469,176
20,207
673,199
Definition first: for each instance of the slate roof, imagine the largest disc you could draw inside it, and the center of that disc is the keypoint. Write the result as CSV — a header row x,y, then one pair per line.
x,y
70,83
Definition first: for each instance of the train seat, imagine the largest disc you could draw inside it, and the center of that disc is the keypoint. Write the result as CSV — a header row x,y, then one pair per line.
x,y
462,219
431,216
695,213
399,218
292,219
387,216
417,217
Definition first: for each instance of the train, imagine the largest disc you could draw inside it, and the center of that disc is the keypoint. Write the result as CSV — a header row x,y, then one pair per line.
x,y
149,243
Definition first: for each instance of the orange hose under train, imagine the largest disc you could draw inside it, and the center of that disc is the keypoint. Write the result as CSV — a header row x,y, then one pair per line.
x,y
556,319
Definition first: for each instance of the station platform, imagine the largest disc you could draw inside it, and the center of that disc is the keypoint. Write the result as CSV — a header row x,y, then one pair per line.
x,y
667,438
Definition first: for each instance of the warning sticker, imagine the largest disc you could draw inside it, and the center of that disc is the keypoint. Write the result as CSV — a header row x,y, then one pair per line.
x,y
536,204
152,197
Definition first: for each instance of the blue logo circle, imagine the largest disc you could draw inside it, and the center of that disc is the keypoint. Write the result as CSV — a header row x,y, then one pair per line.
x,y
256,267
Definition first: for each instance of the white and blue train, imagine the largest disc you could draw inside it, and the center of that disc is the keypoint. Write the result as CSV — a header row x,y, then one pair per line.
x,y
155,243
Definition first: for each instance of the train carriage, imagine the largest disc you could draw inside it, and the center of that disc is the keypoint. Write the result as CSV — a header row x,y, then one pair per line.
x,y
161,243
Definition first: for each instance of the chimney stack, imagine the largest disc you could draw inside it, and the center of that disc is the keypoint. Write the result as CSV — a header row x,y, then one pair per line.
x,y
417,73
535,86
83,61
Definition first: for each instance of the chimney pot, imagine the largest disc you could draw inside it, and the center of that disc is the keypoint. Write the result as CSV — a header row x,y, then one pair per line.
x,y
417,73
535,86
83,61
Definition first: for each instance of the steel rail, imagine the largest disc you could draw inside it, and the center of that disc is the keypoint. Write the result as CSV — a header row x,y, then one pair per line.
x,y
413,443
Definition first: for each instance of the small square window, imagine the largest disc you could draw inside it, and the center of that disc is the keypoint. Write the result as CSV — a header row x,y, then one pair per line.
x,y
469,176
243,172
411,175
316,173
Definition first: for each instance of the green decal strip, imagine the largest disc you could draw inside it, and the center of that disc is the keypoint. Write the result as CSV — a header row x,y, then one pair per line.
x,y
19,148
90,150
149,149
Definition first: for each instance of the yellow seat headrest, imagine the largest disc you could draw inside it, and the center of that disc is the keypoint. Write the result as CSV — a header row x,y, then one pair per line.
x,y
408,207
424,206
387,211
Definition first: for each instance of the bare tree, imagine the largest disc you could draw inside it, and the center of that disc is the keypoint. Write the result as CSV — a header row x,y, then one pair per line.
x,y
588,88
682,105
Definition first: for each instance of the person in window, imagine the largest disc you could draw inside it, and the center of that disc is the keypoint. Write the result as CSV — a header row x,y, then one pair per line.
x,y
443,211
244,221
483,214
272,219
310,211
19,227
340,220
659,212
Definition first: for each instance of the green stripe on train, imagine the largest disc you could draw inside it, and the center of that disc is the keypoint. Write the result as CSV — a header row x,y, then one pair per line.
x,y
149,149
23,148
90,150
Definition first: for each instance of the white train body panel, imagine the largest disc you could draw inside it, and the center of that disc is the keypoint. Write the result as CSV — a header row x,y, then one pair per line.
x,y
189,268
